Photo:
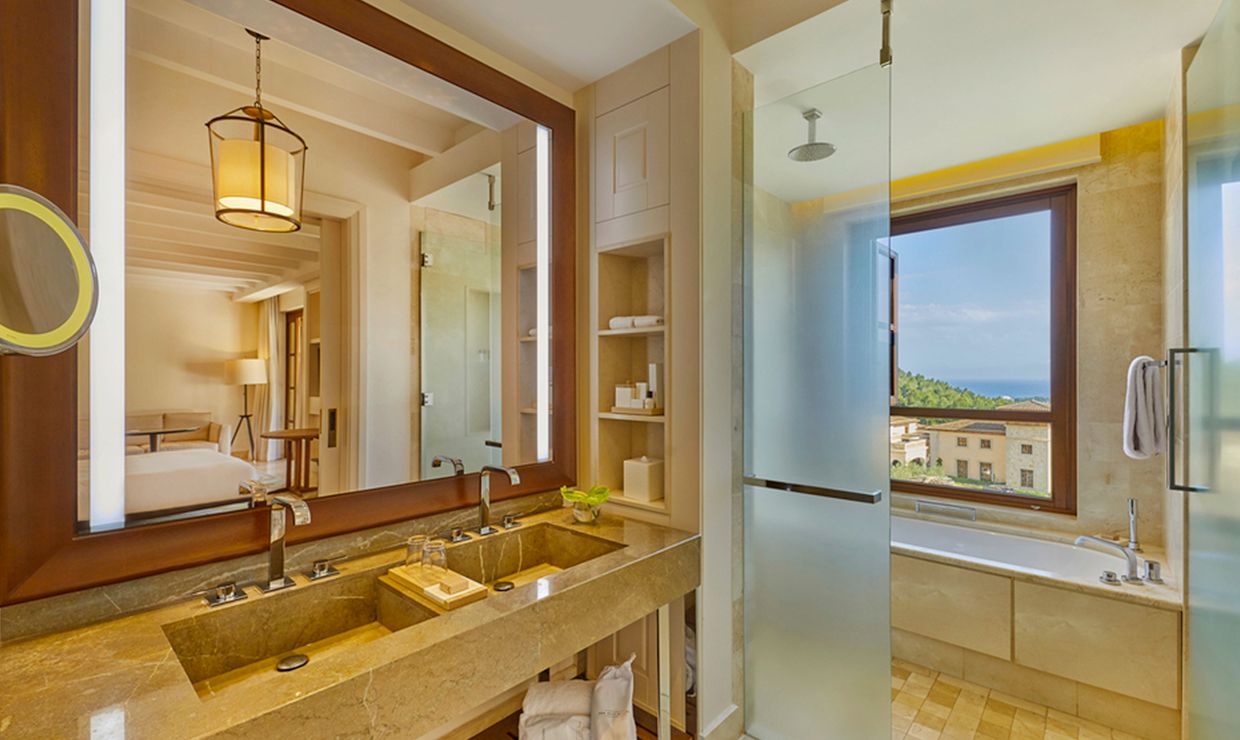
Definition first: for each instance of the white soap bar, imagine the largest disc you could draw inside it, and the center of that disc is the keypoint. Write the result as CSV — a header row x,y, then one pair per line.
x,y
643,479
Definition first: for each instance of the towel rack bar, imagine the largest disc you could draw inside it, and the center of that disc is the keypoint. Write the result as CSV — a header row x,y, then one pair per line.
x,y
871,497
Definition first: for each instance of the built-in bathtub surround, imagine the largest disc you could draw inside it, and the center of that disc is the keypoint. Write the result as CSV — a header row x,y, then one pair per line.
x,y
173,671
1119,316
19,621
1028,617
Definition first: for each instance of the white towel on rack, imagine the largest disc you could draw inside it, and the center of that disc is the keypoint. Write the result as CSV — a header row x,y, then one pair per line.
x,y
1145,431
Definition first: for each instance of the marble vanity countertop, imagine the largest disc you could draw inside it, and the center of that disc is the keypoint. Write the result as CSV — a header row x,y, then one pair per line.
x,y
122,678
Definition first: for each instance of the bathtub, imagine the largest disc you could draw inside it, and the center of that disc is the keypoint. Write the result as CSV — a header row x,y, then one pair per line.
x,y
997,550
1027,616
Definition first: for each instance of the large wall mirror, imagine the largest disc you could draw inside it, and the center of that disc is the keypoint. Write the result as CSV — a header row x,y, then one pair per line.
x,y
335,259
364,306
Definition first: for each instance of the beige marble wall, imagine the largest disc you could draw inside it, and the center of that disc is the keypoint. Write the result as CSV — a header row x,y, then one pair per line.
x,y
1120,296
93,605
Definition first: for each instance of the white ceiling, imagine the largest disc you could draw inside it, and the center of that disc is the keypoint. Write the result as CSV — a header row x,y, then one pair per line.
x,y
569,42
971,79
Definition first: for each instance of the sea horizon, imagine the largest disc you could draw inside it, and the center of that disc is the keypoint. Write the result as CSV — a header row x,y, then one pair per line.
x,y
996,387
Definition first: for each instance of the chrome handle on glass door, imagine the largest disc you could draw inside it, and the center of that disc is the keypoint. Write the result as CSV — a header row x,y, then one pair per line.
x,y
864,497
1173,356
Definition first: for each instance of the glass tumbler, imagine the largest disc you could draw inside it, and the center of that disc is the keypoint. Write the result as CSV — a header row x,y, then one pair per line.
x,y
414,550
435,558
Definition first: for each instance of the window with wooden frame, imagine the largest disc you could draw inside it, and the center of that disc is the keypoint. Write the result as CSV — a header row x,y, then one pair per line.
x,y
984,343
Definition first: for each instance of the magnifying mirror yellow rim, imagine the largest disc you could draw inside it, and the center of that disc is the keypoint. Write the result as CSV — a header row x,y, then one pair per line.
x,y
13,197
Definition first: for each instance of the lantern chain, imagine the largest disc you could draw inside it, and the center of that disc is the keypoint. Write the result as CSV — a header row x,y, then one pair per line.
x,y
258,72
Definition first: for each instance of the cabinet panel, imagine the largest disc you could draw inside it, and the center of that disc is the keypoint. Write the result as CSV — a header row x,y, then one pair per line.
x,y
631,157
640,639
1126,648
954,605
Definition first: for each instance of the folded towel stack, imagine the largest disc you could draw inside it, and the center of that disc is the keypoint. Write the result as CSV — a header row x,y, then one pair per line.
x,y
557,710
635,322
582,710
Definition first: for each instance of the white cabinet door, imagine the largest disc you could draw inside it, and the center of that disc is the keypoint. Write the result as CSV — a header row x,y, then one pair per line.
x,y
631,157
640,639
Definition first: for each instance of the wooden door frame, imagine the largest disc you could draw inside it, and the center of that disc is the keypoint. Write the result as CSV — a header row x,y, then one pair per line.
x,y
41,552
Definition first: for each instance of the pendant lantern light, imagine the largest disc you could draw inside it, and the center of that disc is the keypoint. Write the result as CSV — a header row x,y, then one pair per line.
x,y
257,163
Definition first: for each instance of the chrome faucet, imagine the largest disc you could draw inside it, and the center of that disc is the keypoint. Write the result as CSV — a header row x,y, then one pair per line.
x,y
1132,526
1133,576
484,503
276,579
458,468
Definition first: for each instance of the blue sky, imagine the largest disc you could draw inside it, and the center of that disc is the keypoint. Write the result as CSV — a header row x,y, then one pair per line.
x,y
975,300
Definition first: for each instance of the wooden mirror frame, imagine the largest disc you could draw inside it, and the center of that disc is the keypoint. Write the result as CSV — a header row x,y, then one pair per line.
x,y
41,552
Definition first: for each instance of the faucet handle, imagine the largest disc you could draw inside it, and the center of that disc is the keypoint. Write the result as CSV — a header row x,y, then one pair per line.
x,y
458,535
324,568
224,593
1153,572
510,521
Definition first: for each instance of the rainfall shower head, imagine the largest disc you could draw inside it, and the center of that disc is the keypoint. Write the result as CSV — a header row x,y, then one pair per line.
x,y
811,151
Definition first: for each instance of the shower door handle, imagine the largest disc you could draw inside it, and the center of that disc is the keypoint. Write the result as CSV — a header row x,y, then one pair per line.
x,y
1173,413
864,497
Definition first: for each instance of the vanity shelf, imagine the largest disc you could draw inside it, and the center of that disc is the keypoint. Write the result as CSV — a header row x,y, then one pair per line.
x,y
614,416
644,331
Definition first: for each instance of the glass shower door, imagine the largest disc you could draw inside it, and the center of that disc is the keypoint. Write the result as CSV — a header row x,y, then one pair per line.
x,y
1210,470
817,334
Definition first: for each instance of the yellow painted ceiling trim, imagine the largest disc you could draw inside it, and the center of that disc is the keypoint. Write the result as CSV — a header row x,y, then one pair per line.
x,y
1036,161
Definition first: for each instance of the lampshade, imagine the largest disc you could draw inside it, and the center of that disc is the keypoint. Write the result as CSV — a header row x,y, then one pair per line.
x,y
257,164
248,371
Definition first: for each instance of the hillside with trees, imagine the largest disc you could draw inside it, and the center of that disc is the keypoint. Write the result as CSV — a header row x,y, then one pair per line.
x,y
917,390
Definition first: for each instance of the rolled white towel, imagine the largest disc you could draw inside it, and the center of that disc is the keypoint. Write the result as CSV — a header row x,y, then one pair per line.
x,y
558,698
554,727
1145,434
534,332
620,322
642,322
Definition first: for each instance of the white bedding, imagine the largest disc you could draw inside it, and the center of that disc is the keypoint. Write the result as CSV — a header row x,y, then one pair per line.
x,y
173,479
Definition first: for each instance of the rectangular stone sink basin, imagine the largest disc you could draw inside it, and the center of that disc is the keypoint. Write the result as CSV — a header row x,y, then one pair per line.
x,y
526,553
224,647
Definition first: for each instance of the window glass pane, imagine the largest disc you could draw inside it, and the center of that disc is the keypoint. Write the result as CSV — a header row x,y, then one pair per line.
x,y
974,314
979,455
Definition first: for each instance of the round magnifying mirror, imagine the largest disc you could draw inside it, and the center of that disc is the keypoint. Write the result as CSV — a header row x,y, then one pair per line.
x,y
48,286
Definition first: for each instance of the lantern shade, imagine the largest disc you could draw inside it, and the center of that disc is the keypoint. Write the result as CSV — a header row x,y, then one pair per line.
x,y
257,171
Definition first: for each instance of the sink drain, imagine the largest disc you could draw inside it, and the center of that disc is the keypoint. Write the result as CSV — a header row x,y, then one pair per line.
x,y
503,585
292,662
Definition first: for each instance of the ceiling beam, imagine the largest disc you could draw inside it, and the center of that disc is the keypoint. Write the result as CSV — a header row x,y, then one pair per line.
x,y
198,55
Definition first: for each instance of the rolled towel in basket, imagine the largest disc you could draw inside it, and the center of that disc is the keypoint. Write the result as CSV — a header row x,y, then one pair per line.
x,y
558,697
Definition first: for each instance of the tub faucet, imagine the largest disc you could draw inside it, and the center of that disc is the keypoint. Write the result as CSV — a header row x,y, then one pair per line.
x,y
484,503
276,579
1133,576
1132,526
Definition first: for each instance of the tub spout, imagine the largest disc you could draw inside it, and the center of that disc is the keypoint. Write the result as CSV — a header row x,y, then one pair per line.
x,y
1133,576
